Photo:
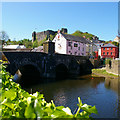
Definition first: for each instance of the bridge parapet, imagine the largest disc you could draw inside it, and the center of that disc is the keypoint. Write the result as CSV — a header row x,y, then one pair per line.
x,y
46,64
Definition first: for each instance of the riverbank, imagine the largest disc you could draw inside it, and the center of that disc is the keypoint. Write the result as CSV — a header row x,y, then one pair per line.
x,y
102,72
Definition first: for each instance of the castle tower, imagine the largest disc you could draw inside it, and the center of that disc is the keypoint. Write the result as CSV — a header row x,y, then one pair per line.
x,y
64,30
33,36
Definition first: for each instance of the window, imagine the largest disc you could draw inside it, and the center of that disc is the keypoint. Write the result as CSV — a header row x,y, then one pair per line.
x,y
83,48
107,53
103,53
103,48
75,45
58,37
111,53
75,53
111,48
107,48
79,48
69,43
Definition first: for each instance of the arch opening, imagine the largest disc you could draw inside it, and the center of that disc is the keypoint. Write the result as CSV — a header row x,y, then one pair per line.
x,y
28,74
61,71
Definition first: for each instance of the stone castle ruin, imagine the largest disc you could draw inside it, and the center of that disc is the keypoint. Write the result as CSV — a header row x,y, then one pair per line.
x,y
42,35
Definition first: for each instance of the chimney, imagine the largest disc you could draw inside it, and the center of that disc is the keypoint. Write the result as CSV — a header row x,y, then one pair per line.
x,y
84,37
64,30
58,31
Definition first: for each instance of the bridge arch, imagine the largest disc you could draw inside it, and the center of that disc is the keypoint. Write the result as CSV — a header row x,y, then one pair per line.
x,y
30,73
61,71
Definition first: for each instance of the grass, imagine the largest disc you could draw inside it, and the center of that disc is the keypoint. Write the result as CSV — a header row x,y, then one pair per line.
x,y
100,71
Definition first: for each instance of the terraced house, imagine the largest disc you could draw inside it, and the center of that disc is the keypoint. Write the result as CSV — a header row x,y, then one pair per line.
x,y
109,51
69,44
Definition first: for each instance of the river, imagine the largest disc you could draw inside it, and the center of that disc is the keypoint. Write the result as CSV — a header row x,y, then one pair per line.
x,y
93,90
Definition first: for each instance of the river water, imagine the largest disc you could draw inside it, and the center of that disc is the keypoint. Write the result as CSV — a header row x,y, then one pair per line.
x,y
99,91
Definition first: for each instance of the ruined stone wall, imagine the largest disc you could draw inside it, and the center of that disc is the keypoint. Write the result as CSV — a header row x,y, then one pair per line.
x,y
42,35
115,67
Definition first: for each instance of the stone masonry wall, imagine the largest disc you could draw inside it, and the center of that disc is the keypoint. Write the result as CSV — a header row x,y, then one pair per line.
x,y
115,67
96,63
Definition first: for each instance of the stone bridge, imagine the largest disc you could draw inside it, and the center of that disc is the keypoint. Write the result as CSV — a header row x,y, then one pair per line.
x,y
47,65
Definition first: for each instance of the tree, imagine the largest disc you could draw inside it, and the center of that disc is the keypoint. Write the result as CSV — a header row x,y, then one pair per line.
x,y
52,37
3,36
35,44
28,44
115,43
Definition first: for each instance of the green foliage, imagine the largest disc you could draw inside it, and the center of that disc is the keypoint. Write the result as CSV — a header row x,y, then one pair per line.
x,y
81,34
17,103
35,44
52,37
103,72
26,42
115,43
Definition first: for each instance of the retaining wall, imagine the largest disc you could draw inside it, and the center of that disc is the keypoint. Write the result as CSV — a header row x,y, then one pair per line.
x,y
114,68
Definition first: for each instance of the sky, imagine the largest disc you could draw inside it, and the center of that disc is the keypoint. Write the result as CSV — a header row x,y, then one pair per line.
x,y
20,19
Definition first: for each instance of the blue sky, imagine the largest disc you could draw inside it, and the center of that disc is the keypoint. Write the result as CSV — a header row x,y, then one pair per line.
x,y
20,19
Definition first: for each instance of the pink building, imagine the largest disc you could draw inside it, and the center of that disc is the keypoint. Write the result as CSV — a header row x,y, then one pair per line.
x,y
69,44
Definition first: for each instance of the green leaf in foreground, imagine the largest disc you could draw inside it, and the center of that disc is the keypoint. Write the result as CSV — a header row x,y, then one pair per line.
x,y
29,112
11,94
89,109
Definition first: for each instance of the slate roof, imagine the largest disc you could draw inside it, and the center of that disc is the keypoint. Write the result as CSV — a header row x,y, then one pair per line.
x,y
109,45
76,38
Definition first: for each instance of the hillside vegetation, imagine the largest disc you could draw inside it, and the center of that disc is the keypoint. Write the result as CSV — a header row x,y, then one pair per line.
x,y
81,34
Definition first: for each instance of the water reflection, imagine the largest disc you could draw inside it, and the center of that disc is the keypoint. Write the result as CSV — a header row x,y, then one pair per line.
x,y
99,91
111,83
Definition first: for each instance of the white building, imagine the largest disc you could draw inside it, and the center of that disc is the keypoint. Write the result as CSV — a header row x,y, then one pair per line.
x,y
117,39
69,44
14,47
99,45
